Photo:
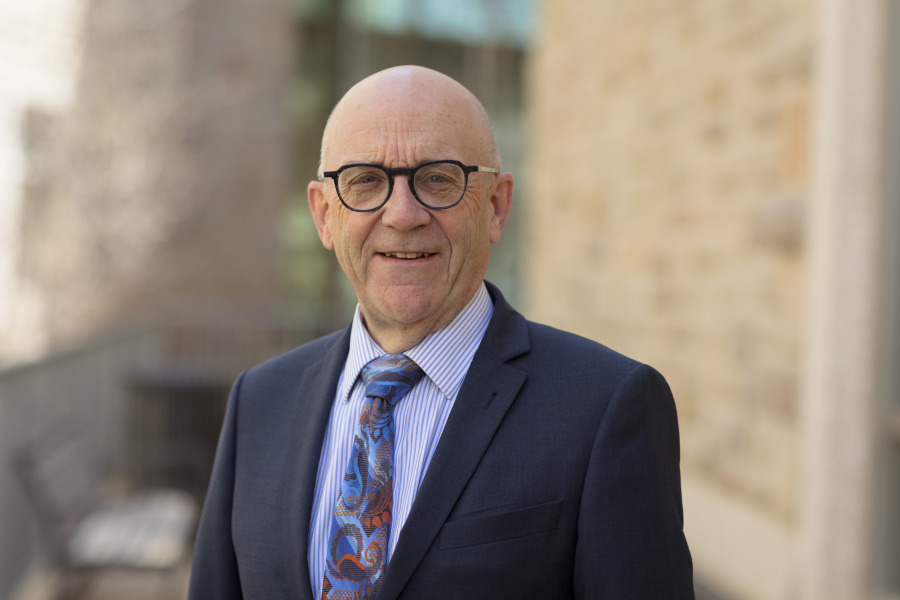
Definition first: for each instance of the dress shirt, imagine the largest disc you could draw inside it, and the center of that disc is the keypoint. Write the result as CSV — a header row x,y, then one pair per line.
x,y
419,418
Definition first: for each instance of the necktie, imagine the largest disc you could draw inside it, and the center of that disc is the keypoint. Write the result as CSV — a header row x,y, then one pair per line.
x,y
361,525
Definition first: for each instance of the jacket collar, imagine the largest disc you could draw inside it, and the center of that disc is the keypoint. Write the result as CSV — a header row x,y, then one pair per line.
x,y
488,391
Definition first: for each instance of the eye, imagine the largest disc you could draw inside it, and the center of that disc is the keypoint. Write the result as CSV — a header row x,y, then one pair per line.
x,y
440,176
363,177
436,178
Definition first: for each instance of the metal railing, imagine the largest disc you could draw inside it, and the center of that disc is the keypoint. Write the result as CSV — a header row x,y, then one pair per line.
x,y
151,399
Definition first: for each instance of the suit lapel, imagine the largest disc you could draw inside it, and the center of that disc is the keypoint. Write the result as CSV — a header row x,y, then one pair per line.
x,y
316,391
489,389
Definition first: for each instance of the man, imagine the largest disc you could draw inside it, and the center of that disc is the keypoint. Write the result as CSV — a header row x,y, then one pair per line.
x,y
442,446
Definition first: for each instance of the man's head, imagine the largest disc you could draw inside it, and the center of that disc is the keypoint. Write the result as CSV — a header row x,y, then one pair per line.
x,y
413,268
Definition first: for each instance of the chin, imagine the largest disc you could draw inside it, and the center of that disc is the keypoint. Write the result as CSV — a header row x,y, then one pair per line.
x,y
407,310
409,304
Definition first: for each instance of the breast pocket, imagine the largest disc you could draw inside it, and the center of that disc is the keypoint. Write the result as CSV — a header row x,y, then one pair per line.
x,y
498,527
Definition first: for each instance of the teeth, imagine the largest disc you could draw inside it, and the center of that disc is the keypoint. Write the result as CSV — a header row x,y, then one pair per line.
x,y
407,254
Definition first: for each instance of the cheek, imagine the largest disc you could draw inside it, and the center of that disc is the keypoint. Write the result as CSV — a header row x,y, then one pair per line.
x,y
469,239
350,235
476,226
341,230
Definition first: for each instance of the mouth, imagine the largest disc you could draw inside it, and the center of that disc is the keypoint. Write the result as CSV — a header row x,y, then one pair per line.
x,y
406,255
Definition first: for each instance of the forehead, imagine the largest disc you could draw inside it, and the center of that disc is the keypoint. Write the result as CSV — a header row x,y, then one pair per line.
x,y
401,127
399,142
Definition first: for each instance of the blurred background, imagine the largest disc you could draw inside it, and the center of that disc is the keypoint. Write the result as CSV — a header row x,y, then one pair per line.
x,y
710,186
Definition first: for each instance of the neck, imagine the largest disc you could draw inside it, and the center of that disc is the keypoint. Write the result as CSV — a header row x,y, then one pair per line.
x,y
397,340
397,337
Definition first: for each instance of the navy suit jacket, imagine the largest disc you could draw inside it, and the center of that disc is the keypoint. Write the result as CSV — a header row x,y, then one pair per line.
x,y
556,476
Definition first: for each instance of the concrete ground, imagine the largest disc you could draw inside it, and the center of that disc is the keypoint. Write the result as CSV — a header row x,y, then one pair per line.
x,y
112,585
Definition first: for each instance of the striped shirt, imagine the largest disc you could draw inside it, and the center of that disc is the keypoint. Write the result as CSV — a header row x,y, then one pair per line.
x,y
419,419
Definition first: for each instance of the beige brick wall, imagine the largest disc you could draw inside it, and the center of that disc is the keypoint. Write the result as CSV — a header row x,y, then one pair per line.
x,y
668,179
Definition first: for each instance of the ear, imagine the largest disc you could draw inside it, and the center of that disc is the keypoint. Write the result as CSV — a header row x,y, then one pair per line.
x,y
318,206
501,203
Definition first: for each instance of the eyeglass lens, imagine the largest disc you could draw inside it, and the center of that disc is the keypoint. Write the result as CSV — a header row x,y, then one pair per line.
x,y
437,185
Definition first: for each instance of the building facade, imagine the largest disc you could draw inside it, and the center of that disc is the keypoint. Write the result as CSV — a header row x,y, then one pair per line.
x,y
721,172
134,136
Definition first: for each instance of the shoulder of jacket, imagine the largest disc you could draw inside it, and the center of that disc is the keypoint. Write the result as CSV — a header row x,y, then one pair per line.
x,y
299,357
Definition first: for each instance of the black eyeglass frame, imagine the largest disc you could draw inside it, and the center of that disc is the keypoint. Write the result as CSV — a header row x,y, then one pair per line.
x,y
410,173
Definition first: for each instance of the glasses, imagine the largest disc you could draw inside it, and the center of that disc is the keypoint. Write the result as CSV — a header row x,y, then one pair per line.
x,y
437,184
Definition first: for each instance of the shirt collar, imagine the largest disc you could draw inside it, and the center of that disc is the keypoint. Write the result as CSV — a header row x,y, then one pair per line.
x,y
444,355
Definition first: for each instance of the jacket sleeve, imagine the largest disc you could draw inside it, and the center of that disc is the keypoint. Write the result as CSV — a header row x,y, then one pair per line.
x,y
631,510
214,573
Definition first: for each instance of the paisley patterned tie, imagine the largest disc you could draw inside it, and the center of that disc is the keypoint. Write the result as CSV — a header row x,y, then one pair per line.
x,y
361,525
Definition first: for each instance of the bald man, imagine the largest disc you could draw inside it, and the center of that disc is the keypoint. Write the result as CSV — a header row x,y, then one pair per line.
x,y
441,446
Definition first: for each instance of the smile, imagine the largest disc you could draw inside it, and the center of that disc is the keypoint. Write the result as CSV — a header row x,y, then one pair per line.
x,y
406,254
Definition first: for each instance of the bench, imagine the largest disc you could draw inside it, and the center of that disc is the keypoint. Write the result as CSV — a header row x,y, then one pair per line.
x,y
86,531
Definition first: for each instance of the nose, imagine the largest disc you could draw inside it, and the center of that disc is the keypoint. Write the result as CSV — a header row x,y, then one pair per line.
x,y
402,211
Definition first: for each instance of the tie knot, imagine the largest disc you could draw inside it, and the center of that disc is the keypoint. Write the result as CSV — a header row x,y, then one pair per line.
x,y
391,377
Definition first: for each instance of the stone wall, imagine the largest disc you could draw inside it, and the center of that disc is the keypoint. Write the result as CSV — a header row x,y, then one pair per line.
x,y
716,193
158,184
670,180
670,147
41,43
